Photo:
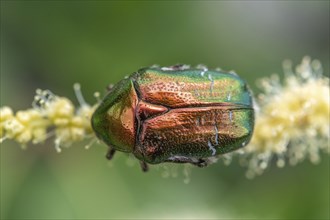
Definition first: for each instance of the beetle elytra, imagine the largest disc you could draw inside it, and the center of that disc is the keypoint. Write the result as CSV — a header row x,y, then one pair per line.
x,y
176,114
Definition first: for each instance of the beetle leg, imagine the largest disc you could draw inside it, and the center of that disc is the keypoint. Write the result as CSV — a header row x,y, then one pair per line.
x,y
201,163
144,166
110,153
196,162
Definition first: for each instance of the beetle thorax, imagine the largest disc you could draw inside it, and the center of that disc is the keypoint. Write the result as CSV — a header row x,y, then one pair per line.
x,y
114,121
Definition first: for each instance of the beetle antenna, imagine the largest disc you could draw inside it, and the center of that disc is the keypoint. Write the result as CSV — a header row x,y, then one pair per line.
x,y
79,95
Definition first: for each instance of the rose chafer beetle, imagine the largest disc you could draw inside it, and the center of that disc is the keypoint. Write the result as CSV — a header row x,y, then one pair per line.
x,y
176,114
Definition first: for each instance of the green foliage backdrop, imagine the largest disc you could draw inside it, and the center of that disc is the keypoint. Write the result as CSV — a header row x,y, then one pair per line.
x,y
53,44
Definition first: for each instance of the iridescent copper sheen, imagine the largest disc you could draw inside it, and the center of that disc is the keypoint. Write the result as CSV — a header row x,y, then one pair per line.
x,y
197,132
176,114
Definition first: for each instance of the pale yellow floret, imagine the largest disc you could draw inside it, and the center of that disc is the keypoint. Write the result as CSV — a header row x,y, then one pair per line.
x,y
6,114
51,115
85,113
293,120
70,125
74,130
26,126
60,111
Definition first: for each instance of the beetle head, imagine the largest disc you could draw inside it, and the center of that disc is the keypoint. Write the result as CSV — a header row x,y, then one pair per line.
x,y
114,119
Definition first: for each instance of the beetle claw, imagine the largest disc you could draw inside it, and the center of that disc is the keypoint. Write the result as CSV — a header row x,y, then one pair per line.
x,y
201,163
110,153
144,166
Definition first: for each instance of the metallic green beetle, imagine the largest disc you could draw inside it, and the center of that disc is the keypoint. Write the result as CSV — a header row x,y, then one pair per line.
x,y
176,114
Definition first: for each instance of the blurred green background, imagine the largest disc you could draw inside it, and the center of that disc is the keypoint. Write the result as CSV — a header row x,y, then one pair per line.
x,y
53,44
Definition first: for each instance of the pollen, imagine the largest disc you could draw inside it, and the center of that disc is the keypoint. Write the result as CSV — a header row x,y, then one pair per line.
x,y
25,126
292,118
51,115
6,114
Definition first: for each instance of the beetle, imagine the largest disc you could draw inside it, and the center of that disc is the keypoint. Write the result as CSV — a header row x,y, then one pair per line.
x,y
176,114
